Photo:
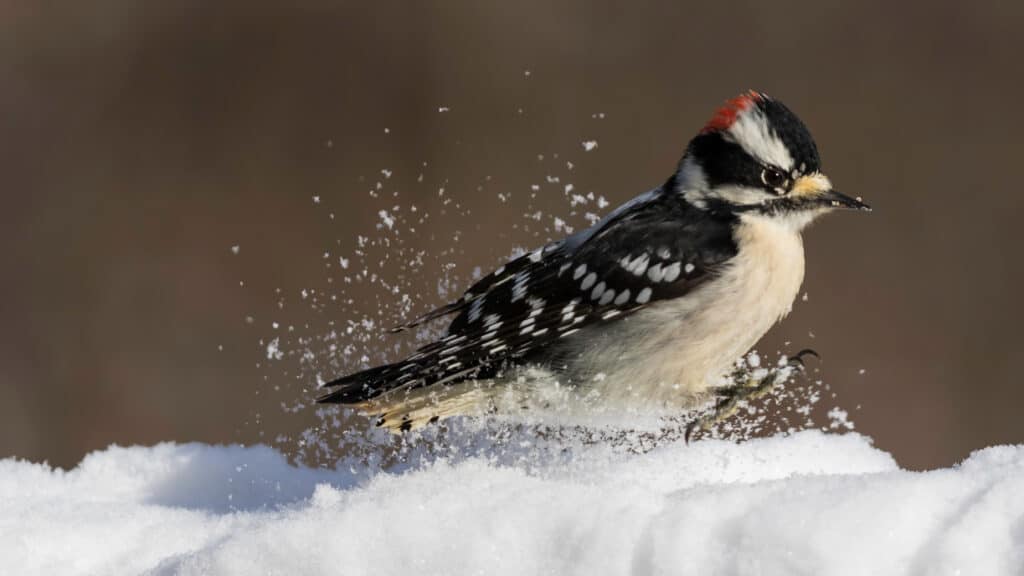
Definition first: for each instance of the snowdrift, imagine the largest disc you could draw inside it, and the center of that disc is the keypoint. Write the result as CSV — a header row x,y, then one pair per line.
x,y
809,503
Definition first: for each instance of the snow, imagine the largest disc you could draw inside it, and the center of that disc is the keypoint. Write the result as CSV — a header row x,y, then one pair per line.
x,y
274,349
809,503
387,219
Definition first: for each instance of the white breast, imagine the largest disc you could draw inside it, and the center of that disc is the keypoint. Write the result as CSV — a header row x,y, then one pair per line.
x,y
671,353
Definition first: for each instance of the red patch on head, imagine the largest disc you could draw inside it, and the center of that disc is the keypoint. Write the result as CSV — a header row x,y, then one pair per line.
x,y
726,115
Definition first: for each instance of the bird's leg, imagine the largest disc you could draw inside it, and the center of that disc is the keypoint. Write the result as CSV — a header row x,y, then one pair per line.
x,y
747,387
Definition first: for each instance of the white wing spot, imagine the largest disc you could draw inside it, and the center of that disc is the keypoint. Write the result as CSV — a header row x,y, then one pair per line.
x,y
610,314
536,255
664,253
622,297
672,272
579,271
640,265
475,309
607,297
644,296
655,273
588,281
564,267
597,291
519,288
688,268
540,332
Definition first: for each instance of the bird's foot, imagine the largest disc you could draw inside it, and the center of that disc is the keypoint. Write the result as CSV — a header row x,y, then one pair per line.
x,y
749,387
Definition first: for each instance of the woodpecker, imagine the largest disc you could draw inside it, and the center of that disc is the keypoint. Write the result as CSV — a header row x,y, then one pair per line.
x,y
647,310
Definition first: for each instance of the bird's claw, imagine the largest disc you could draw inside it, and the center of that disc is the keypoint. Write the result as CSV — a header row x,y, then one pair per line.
x,y
723,410
751,389
797,360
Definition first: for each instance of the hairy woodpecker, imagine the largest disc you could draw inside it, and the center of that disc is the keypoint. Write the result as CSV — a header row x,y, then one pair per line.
x,y
648,309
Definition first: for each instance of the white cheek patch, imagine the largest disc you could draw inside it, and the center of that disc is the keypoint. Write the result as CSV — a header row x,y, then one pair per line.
x,y
694,186
751,131
742,195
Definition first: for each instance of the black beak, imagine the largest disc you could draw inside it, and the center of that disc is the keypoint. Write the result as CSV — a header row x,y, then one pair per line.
x,y
833,199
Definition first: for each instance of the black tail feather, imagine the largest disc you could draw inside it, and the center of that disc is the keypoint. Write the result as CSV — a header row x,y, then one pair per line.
x,y
359,387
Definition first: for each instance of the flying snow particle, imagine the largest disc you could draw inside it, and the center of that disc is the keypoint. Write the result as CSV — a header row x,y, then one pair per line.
x,y
274,350
839,418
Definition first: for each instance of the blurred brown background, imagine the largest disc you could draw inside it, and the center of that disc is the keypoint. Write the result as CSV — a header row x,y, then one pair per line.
x,y
140,141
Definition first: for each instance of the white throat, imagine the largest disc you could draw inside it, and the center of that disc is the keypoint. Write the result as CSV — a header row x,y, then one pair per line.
x,y
792,222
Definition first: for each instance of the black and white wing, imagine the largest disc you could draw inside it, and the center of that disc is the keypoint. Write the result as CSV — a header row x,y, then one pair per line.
x,y
655,249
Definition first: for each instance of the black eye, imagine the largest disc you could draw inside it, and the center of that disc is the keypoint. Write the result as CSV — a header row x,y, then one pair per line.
x,y
774,179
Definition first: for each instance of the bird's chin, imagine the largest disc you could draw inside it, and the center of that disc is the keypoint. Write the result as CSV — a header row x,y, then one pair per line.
x,y
797,220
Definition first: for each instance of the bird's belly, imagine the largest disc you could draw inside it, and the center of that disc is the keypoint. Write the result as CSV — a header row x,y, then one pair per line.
x,y
671,353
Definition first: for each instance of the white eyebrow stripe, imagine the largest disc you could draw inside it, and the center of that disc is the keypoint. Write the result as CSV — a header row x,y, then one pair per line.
x,y
752,132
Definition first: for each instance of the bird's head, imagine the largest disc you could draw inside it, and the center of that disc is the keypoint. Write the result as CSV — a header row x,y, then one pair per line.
x,y
756,157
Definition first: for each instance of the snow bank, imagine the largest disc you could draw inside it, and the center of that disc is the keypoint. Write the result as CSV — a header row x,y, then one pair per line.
x,y
806,504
